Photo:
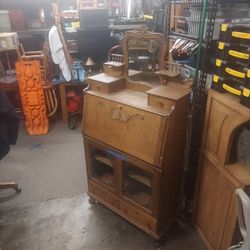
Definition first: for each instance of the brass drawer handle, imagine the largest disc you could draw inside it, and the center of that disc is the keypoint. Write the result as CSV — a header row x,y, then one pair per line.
x,y
119,115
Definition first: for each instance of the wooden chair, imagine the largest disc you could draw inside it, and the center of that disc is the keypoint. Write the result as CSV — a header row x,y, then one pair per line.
x,y
9,130
243,208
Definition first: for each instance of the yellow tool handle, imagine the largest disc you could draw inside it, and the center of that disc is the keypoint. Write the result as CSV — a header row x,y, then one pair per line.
x,y
224,27
216,78
241,35
218,62
246,92
231,89
221,45
238,54
235,73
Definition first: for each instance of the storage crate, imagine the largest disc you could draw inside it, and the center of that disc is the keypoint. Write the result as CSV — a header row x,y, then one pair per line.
x,y
226,85
232,70
8,41
234,53
235,33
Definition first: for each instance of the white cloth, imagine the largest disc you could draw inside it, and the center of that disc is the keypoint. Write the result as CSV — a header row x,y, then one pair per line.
x,y
58,54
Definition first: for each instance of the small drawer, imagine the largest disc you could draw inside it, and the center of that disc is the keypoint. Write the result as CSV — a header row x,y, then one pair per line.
x,y
160,102
106,83
104,195
226,85
139,216
234,53
235,33
101,87
232,70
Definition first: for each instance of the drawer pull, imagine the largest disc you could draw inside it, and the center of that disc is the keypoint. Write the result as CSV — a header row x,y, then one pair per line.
x,y
161,104
86,89
119,115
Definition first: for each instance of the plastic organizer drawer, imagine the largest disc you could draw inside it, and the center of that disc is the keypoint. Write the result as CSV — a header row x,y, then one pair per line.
x,y
232,70
226,85
235,33
234,53
223,85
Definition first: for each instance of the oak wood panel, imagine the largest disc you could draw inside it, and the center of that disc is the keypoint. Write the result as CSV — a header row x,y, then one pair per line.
x,y
133,131
215,212
142,220
214,201
222,123
172,164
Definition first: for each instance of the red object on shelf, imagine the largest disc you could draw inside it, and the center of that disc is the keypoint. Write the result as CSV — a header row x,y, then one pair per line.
x,y
74,102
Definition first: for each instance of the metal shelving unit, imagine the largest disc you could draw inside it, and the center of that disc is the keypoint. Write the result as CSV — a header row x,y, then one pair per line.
x,y
209,10
199,79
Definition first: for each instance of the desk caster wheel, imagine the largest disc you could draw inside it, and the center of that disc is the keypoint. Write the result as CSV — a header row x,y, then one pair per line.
x,y
92,201
18,190
72,123
157,244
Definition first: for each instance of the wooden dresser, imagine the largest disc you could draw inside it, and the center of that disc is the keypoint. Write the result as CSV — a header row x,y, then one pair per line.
x,y
222,169
134,138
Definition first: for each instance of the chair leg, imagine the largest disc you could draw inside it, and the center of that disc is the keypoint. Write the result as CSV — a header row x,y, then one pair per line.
x,y
10,185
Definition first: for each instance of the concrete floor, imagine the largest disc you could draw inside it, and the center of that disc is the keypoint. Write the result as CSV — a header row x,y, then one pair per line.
x,y
46,167
53,213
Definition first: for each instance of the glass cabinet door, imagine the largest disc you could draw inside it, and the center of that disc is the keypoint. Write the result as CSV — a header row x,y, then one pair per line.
x,y
137,185
102,166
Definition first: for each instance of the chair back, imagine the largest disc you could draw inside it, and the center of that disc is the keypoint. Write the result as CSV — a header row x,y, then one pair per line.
x,y
243,207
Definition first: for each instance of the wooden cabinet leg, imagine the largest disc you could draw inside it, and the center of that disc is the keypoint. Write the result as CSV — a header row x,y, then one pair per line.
x,y
63,103
91,200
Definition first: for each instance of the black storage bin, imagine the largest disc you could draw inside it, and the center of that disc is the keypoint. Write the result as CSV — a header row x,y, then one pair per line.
x,y
94,18
235,33
226,85
234,53
231,70
245,97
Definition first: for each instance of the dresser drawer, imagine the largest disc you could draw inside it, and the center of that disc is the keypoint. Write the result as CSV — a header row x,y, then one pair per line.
x,y
160,102
136,132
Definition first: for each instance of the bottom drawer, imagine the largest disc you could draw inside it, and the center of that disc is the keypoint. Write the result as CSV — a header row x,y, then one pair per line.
x,y
135,214
140,219
107,197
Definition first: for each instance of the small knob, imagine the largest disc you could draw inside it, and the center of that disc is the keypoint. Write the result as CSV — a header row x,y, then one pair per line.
x,y
161,104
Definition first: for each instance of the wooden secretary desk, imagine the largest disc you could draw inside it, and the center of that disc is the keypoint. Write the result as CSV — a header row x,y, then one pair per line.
x,y
134,129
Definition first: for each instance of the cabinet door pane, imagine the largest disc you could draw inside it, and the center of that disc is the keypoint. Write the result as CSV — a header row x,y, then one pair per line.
x,y
102,167
137,185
